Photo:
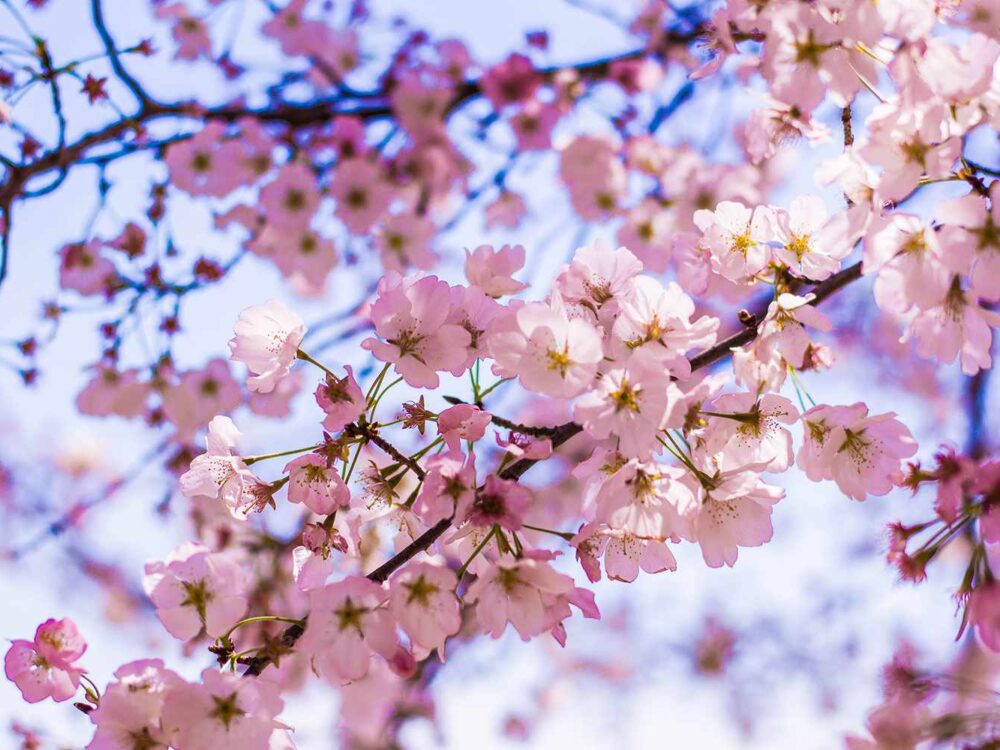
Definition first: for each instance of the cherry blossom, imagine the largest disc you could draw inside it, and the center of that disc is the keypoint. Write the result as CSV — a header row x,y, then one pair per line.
x,y
46,667
632,404
550,352
316,485
341,400
221,473
131,708
492,270
526,593
194,589
861,453
622,403
737,237
267,341
731,509
347,624
222,712
409,317
423,601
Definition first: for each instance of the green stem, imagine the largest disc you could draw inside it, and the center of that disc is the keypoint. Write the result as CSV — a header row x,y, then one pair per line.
x,y
376,383
354,462
489,390
304,356
261,618
91,690
475,553
564,534
254,459
371,413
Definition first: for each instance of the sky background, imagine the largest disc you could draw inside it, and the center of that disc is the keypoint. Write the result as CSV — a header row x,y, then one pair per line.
x,y
818,594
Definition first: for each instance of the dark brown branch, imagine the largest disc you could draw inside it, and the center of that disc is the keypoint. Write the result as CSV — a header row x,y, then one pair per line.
x,y
97,11
523,428
365,431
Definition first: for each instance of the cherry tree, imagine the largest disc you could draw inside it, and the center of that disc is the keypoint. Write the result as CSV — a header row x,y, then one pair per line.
x,y
496,424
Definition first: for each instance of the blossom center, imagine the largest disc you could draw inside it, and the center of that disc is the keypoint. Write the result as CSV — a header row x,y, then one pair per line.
x,y
227,709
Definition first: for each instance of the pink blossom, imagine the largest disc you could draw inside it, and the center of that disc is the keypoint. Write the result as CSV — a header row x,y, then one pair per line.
x,y
113,392
449,481
222,712
630,405
910,262
474,311
194,589
221,473
550,352
341,400
290,200
422,600
645,500
462,422
201,395
492,270
974,231
624,554
596,178
770,128
502,502
657,321
984,614
861,453
720,42
131,707
421,104
202,164
83,269
737,238
361,197
519,445
267,342
190,33
527,593
312,561
636,76
648,232
812,246
506,211
751,432
277,403
954,475
809,60
301,254
45,668
510,82
347,623
598,278
733,511
957,327
403,241
533,125
783,329
409,316
316,485
907,150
